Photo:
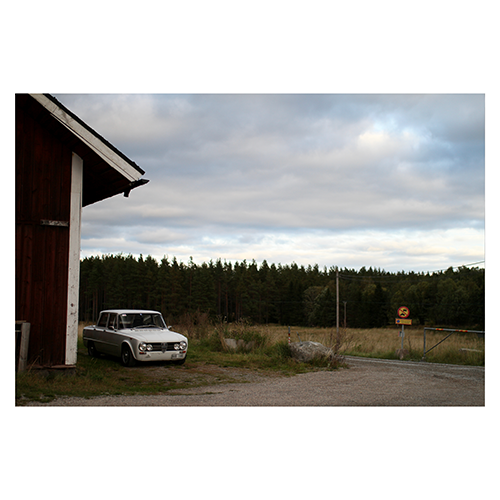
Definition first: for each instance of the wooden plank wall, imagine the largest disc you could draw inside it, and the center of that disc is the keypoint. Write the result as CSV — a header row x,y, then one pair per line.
x,y
43,182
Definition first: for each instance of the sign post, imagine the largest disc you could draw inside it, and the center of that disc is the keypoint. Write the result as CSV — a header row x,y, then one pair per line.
x,y
403,313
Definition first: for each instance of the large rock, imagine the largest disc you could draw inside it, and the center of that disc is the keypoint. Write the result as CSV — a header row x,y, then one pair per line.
x,y
308,351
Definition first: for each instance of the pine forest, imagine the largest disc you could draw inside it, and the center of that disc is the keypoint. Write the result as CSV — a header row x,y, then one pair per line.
x,y
281,294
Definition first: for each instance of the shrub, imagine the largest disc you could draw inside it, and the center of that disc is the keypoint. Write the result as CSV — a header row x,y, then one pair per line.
x,y
279,351
240,330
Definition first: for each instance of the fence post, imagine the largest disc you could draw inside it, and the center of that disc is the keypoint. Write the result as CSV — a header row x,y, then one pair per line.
x,y
423,358
23,348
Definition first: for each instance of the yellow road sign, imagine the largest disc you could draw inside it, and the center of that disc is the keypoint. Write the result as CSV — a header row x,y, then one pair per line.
x,y
403,312
400,321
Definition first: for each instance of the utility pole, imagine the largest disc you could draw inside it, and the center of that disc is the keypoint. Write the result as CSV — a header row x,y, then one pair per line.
x,y
337,345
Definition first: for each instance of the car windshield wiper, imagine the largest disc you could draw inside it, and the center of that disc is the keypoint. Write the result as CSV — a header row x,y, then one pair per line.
x,y
147,326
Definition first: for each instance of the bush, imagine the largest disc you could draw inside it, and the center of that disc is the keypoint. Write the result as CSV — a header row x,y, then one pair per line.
x,y
279,351
212,342
241,330
195,325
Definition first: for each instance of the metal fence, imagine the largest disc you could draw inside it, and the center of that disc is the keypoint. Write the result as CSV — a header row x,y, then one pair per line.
x,y
479,333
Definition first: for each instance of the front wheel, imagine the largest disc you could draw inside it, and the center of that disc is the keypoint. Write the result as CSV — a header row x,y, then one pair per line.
x,y
127,356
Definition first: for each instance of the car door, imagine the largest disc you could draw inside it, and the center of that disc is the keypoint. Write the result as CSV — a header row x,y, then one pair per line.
x,y
111,337
98,334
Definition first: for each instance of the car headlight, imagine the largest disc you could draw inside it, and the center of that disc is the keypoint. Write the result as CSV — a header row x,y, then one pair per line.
x,y
145,347
183,345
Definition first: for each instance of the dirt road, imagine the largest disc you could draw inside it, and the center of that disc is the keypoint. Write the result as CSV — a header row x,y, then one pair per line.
x,y
366,382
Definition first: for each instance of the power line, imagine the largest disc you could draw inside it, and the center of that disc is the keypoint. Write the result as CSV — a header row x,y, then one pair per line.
x,y
473,264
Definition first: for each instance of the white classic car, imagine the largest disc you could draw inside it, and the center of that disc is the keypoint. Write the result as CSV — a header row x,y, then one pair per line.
x,y
135,335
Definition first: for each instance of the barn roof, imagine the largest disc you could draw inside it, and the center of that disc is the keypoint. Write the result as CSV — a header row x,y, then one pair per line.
x,y
107,171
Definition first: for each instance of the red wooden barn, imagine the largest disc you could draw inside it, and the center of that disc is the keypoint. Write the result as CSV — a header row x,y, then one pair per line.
x,y
62,165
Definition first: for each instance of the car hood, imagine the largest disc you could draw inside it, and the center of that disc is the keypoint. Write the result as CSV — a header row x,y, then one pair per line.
x,y
154,335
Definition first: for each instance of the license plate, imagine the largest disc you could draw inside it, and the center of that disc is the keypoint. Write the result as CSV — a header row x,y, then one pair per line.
x,y
175,355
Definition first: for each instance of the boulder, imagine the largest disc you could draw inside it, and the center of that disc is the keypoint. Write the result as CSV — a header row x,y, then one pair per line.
x,y
308,351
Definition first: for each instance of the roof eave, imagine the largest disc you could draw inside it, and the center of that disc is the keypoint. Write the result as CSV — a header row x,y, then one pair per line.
x,y
90,138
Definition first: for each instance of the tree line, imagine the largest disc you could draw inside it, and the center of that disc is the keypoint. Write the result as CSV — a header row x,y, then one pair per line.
x,y
283,294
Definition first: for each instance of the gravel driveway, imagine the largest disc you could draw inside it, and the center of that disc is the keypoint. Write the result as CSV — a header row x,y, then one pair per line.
x,y
366,382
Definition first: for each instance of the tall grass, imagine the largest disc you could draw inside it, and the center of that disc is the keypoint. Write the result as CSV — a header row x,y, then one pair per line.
x,y
459,348
270,353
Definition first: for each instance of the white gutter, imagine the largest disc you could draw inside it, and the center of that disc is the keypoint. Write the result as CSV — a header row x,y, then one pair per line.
x,y
93,142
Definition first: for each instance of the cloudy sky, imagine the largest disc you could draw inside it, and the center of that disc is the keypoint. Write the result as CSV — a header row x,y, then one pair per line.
x,y
389,181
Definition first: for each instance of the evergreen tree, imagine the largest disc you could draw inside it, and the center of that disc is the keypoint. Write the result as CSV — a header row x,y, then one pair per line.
x,y
287,294
324,312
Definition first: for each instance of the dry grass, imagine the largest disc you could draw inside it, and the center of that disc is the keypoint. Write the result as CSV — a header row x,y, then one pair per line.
x,y
107,376
459,348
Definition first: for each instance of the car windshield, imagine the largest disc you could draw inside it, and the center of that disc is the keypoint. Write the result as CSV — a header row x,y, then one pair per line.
x,y
141,320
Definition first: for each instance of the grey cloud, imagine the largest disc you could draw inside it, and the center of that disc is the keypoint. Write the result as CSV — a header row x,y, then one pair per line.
x,y
247,166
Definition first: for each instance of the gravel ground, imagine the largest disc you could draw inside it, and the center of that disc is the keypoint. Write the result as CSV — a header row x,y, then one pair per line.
x,y
366,382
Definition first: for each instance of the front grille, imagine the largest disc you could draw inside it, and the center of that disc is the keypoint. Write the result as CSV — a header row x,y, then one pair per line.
x,y
167,346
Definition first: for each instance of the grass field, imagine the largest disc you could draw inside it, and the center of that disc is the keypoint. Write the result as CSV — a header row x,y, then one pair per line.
x,y
208,362
459,348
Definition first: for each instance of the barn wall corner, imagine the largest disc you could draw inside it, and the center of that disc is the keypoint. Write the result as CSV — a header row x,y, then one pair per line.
x,y
74,259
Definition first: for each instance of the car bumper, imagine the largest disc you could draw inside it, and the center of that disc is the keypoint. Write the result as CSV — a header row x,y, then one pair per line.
x,y
160,356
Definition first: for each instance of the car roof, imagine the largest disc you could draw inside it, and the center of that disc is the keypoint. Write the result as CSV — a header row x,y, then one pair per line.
x,y
130,311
